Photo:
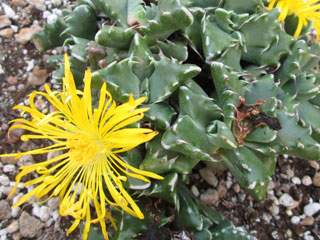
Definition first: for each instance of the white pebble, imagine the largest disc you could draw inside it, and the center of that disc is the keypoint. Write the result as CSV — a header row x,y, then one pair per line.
x,y
49,222
4,180
36,211
275,210
296,180
306,180
9,11
195,191
3,232
308,237
15,212
44,213
9,168
311,209
13,227
30,65
17,198
46,14
56,2
52,18
295,220
15,28
286,200
55,215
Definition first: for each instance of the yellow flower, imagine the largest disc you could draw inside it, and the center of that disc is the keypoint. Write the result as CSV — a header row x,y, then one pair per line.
x,y
305,10
90,141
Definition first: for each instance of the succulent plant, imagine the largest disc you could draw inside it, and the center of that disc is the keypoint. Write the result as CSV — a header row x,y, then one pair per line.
x,y
225,84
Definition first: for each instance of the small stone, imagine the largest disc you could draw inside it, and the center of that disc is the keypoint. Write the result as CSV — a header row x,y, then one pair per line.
x,y
290,173
52,18
308,221
30,65
311,209
4,21
295,220
29,226
286,200
49,222
38,4
13,227
38,76
44,213
15,28
40,104
296,180
195,191
25,160
21,86
308,237
8,160
9,168
19,3
4,180
4,126
274,210
7,190
210,196
53,203
289,233
289,212
55,215
9,11
229,183
36,210
209,176
25,34
11,88
12,80
6,33
15,134
56,2
306,180
236,187
3,232
5,212
271,185
316,179
17,198
314,164
15,212
16,236
266,217
222,190
53,154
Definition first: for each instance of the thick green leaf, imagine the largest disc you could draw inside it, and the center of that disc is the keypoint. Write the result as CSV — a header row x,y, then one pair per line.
x,y
115,37
81,22
160,115
120,79
160,160
167,77
165,189
126,12
248,170
51,36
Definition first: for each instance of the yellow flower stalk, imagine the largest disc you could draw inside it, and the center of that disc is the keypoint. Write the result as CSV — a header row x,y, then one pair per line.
x,y
90,140
305,10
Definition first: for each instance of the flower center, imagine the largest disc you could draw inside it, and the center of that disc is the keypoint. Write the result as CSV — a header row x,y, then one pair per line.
x,y
85,148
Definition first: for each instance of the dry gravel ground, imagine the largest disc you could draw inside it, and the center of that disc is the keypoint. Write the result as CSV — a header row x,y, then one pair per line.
x,y
292,208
